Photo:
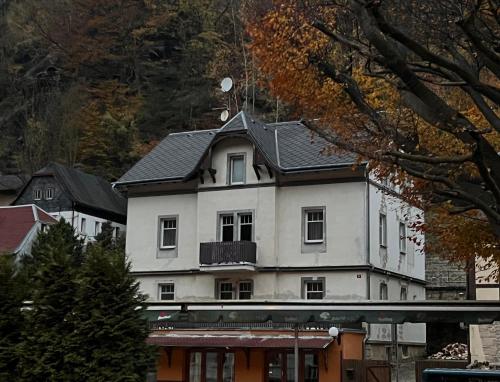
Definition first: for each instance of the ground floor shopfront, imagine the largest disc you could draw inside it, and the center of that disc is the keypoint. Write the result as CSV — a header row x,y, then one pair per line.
x,y
253,356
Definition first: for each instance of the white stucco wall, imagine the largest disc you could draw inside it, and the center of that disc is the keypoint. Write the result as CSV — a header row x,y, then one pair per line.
x,y
345,224
75,219
220,162
396,211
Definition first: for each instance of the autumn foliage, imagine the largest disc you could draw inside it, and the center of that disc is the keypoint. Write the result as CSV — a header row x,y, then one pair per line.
x,y
421,103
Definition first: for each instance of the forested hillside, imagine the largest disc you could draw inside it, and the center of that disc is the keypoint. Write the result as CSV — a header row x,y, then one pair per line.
x,y
97,83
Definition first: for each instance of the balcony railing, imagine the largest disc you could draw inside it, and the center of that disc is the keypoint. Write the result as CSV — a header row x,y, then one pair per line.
x,y
228,252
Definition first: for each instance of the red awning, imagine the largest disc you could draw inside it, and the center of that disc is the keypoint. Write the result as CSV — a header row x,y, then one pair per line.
x,y
235,341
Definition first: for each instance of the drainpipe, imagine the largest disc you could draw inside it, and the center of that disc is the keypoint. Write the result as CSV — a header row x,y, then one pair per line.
x,y
296,353
368,260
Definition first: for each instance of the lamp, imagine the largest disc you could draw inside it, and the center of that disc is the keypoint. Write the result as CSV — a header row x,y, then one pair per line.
x,y
334,333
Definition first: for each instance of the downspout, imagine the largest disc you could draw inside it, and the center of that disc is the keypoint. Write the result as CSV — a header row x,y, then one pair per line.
x,y
368,259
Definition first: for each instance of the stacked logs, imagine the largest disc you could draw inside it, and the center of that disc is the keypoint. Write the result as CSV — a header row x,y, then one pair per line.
x,y
452,351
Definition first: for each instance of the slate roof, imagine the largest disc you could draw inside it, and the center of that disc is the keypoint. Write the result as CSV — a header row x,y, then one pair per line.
x,y
87,189
11,182
16,222
287,146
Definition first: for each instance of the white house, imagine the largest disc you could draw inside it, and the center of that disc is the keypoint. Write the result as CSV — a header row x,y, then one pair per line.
x,y
257,211
84,200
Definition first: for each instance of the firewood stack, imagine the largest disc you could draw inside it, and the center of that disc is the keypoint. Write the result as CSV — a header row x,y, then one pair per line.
x,y
452,351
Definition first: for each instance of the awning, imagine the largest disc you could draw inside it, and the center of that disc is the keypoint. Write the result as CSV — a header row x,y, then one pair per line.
x,y
238,341
335,312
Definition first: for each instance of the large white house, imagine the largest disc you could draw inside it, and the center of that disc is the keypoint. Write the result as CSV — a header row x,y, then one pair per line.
x,y
258,211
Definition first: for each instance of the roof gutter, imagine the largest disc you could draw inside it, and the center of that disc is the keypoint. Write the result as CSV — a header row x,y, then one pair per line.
x,y
147,181
319,168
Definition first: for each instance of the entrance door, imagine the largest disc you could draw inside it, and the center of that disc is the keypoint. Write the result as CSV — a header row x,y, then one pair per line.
x,y
211,366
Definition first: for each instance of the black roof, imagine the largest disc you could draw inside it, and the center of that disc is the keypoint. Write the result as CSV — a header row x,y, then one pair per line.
x,y
286,146
11,182
86,189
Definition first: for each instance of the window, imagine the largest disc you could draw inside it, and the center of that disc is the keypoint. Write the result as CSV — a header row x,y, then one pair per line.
x,y
314,289
83,226
211,366
404,294
97,228
43,227
237,169
245,290
49,193
280,366
382,234
383,291
231,290
243,231
225,290
166,291
402,237
227,227
168,233
314,226
37,194
117,232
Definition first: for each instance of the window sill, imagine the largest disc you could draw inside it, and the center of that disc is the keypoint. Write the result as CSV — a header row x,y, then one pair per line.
x,y
168,248
314,242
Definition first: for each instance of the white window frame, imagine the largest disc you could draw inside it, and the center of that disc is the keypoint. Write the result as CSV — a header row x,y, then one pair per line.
x,y
307,211
235,289
163,220
383,292
49,193
403,293
402,238
245,282
219,290
97,228
37,194
240,223
83,226
382,229
161,292
231,158
307,283
236,224
222,225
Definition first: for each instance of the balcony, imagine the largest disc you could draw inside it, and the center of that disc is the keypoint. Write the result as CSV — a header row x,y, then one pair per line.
x,y
226,256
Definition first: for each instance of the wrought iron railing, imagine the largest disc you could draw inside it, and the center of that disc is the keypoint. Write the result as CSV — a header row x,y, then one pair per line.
x,y
228,252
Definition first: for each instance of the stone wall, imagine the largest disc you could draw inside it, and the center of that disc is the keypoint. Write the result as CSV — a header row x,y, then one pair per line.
x,y
442,275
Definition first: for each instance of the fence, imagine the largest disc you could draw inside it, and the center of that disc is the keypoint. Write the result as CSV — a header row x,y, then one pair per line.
x,y
354,370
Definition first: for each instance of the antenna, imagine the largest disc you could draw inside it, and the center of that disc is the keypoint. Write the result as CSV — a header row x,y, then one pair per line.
x,y
224,115
226,84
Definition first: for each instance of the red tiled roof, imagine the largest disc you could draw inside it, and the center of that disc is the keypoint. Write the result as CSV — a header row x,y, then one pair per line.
x,y
238,341
16,222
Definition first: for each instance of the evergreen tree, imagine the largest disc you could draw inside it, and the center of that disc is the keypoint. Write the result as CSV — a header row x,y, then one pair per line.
x,y
11,318
109,340
107,240
53,270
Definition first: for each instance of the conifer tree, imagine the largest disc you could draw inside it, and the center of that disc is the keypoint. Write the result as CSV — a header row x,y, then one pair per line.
x,y
53,270
109,340
11,319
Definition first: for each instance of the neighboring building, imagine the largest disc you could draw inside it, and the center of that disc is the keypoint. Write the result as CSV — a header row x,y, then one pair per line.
x,y
485,339
9,187
19,226
84,200
446,280
257,211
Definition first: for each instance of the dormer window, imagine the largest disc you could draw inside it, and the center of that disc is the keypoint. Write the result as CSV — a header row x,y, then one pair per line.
x,y
49,193
37,194
236,169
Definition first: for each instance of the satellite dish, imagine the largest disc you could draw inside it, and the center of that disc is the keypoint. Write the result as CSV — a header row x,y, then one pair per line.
x,y
224,116
226,84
